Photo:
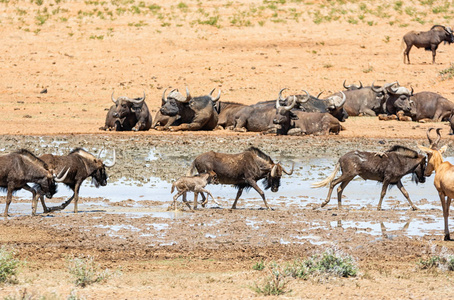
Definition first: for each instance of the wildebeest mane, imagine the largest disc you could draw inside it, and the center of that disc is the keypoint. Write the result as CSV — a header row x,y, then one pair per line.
x,y
32,157
260,154
77,150
438,26
407,152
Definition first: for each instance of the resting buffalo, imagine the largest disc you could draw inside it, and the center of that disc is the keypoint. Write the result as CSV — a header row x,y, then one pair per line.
x,y
352,87
227,112
427,106
174,111
196,113
334,105
397,99
314,123
22,167
266,117
128,114
428,40
82,165
242,170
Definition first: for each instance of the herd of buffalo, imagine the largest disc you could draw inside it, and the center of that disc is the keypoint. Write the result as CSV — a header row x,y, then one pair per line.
x,y
299,114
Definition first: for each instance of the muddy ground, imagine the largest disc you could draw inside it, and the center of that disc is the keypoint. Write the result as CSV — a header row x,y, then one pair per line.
x,y
61,61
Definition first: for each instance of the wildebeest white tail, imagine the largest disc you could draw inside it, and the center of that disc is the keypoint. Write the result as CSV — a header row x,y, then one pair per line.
x,y
328,179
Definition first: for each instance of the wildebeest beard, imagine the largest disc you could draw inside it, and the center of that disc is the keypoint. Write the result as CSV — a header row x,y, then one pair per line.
x,y
269,182
94,181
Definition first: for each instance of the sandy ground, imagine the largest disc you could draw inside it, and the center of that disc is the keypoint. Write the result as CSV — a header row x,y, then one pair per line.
x,y
81,58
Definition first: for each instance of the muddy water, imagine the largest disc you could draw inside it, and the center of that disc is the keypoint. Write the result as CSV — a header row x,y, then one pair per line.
x,y
139,189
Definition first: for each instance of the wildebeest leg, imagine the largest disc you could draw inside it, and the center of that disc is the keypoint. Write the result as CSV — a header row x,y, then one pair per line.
x,y
204,199
382,194
43,203
332,185
406,53
405,193
238,195
186,201
76,196
434,52
34,198
196,195
262,194
9,198
445,202
340,190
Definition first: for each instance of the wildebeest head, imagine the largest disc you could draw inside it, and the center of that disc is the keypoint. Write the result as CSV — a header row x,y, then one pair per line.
x,y
126,106
95,166
353,86
445,33
283,112
273,178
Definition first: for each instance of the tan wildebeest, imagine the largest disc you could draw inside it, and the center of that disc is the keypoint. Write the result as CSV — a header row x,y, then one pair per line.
x,y
444,176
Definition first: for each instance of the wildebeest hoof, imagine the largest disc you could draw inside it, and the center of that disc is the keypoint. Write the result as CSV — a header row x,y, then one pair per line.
x,y
414,208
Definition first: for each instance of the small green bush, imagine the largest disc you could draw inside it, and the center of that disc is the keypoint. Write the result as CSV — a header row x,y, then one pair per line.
x,y
273,285
86,272
259,266
8,266
447,73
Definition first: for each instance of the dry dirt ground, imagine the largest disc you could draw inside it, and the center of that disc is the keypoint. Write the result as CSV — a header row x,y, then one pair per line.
x,y
82,52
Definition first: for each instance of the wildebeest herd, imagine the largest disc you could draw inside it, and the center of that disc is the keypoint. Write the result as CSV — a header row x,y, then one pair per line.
x,y
295,114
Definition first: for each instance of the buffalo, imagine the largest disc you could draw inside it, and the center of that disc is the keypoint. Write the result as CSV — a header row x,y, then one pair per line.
x,y
388,167
21,167
428,40
195,113
82,165
429,106
334,104
174,111
227,112
314,123
242,170
128,114
352,87
266,117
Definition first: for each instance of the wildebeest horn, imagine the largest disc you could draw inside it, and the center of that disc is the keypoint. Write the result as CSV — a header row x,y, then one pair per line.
x,y
139,100
59,177
344,98
113,162
273,171
291,171
217,98
112,97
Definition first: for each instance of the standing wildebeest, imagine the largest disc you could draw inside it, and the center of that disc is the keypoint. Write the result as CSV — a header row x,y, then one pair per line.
x,y
21,167
82,165
194,184
266,117
314,123
128,114
334,104
428,40
242,170
444,176
202,110
388,167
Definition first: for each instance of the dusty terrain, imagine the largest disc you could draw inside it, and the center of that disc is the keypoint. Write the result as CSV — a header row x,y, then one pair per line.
x,y
82,52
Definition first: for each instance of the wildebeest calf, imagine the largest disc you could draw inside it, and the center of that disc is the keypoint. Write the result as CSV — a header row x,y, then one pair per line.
x,y
194,184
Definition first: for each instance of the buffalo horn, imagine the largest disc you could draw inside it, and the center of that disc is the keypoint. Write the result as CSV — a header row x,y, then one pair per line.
x,y
59,177
164,99
344,98
375,89
217,98
411,93
318,96
113,162
346,86
280,95
291,171
305,99
112,97
138,101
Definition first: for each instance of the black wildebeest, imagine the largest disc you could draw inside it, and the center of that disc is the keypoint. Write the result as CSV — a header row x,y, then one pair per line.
x,y
82,165
242,170
266,117
428,40
195,113
21,167
314,123
388,167
128,114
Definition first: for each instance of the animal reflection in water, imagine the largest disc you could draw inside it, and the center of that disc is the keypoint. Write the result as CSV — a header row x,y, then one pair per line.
x,y
388,167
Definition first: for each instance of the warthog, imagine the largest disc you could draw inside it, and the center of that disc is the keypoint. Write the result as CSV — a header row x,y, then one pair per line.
x,y
428,40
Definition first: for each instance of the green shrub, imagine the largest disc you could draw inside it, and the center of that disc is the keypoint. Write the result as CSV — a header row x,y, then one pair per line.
x,y
447,73
86,272
274,284
8,266
259,266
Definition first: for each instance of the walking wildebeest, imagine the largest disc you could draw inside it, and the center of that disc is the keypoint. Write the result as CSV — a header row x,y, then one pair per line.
x,y
314,123
128,114
444,177
196,184
21,167
202,110
242,170
82,165
428,40
388,167
265,117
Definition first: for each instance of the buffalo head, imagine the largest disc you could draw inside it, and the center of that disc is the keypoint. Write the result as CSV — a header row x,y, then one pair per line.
x,y
353,86
126,106
283,113
171,104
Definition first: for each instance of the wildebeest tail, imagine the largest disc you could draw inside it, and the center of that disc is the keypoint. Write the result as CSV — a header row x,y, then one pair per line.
x,y
328,179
